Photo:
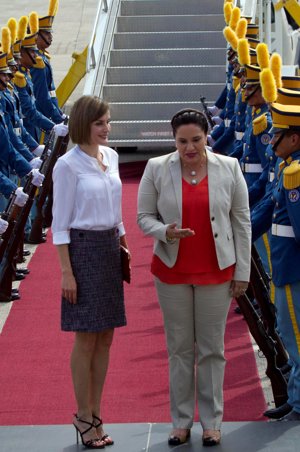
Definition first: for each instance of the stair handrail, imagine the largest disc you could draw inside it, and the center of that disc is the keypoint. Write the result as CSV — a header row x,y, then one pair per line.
x,y
100,45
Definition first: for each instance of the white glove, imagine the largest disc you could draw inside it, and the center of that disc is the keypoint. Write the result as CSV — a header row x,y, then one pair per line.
x,y
210,140
35,163
21,197
39,150
3,226
37,177
217,120
214,110
61,130
64,116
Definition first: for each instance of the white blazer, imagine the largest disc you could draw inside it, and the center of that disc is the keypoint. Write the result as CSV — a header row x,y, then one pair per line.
x,y
160,204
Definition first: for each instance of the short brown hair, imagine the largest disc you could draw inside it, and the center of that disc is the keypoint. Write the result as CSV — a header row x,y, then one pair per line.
x,y
85,110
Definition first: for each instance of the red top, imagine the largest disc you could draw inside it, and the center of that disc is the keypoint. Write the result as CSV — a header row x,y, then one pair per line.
x,y
197,260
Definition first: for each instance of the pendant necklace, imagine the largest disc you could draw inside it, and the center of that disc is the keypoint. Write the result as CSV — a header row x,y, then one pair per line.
x,y
193,181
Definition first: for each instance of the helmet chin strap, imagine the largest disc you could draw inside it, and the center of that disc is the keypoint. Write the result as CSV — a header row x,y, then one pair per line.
x,y
2,83
253,92
33,60
45,40
275,145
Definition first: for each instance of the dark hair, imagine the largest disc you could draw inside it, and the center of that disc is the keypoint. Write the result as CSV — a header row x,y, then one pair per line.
x,y
189,116
85,110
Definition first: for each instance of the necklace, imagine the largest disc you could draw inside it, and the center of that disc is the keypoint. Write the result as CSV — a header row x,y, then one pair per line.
x,y
193,181
193,173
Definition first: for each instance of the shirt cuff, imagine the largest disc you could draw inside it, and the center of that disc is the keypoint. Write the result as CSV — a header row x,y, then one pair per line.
x,y
121,229
61,238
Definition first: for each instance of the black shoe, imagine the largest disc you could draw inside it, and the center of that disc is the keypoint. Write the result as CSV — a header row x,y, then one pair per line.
x,y
279,412
19,276
26,252
24,271
14,290
15,296
34,242
212,440
292,416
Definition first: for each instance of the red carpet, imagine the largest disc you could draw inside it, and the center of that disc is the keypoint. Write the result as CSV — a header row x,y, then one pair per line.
x,y
34,366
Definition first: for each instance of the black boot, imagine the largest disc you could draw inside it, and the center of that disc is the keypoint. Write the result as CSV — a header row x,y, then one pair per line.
x,y
279,412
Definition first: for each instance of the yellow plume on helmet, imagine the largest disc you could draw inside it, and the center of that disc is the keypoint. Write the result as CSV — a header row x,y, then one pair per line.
x,y
243,52
13,28
227,12
263,57
275,65
53,6
241,28
235,17
268,85
33,23
22,28
230,37
5,40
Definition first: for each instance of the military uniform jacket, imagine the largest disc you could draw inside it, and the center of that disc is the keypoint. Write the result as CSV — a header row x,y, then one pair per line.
x,y
285,250
34,120
44,89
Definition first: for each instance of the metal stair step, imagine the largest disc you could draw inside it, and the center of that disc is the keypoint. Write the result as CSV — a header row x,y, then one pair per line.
x,y
151,110
167,57
141,130
208,22
161,93
162,7
165,74
168,40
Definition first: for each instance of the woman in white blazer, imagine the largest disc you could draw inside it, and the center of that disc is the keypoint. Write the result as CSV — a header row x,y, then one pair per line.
x,y
195,205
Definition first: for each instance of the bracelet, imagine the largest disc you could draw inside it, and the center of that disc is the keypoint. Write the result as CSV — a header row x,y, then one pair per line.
x,y
170,240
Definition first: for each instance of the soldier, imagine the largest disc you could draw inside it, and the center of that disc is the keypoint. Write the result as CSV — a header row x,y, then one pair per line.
x,y
34,120
285,251
41,72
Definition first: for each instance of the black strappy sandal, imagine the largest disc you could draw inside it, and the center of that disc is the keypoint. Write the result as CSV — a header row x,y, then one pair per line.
x,y
106,438
90,443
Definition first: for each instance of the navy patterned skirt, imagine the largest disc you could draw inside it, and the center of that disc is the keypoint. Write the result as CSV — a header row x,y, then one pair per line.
x,y
96,264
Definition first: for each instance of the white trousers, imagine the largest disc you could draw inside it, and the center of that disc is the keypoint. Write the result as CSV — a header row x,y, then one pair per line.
x,y
194,320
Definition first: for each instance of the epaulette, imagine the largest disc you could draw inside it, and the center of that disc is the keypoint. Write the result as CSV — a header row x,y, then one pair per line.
x,y
236,83
291,175
260,124
19,80
244,95
10,86
47,54
39,63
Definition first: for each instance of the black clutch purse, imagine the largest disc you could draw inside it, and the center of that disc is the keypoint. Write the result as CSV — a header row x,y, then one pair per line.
x,y
125,264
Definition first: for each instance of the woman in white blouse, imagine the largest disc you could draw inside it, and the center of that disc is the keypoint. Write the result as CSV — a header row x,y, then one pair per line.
x,y
88,230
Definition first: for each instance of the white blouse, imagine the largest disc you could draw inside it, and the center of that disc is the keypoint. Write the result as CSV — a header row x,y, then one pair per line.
x,y
85,196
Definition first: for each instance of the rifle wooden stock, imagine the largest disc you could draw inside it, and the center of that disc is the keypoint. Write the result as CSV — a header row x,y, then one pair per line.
x,y
267,308
268,348
207,113
17,221
36,234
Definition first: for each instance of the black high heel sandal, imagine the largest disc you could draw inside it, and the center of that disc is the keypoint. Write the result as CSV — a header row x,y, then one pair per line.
x,y
90,443
106,438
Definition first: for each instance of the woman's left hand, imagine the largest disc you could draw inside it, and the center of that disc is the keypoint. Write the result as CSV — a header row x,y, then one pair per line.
x,y
238,288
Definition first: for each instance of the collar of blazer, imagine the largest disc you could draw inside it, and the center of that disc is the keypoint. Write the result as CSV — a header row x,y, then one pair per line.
x,y
212,171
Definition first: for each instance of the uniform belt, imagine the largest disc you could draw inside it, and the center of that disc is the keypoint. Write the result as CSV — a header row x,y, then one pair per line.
x,y
282,230
251,167
271,176
227,122
17,131
52,93
238,135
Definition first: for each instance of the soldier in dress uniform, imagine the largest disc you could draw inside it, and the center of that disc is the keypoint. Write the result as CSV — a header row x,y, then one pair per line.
x,y
285,239
34,120
41,72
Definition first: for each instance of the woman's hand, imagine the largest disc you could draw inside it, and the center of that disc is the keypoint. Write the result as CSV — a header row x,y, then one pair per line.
x,y
69,287
238,288
173,233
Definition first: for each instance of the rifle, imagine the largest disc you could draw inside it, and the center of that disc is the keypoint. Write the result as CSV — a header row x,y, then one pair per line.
x,y
207,113
267,308
36,234
268,348
16,217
